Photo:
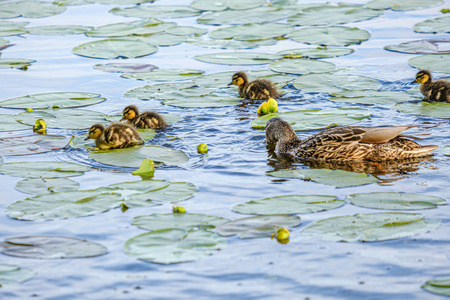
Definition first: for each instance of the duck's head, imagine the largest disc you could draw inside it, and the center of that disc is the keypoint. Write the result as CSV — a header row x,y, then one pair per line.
x,y
95,131
130,112
278,129
239,78
423,76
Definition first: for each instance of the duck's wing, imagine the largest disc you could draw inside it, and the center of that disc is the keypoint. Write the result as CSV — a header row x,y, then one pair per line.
x,y
379,135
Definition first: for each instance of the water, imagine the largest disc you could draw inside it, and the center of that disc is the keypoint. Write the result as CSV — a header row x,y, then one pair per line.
x,y
233,172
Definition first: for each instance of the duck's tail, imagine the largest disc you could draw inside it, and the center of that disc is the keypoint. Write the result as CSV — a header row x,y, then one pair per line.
x,y
422,151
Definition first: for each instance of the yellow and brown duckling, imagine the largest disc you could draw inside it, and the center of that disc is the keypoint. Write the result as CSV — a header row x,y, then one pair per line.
x,y
116,135
346,142
438,90
147,119
258,89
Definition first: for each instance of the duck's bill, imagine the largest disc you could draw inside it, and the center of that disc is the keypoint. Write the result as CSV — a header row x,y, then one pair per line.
x,y
123,118
415,81
231,83
87,138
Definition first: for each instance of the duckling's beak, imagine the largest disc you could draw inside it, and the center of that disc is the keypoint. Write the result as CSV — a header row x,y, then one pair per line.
x,y
123,118
231,83
87,138
415,81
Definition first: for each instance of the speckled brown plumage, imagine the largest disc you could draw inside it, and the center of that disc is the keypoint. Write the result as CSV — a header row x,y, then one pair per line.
x,y
437,91
258,89
351,142
116,135
147,119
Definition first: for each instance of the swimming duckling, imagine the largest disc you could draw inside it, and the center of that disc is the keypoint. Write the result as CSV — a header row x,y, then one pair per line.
x,y
258,89
346,142
116,135
438,90
147,119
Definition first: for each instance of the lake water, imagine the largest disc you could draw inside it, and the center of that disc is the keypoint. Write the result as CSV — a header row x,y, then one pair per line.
x,y
233,172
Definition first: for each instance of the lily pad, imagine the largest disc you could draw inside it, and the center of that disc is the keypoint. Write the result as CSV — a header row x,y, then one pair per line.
x,y
121,2
165,91
332,14
9,123
257,227
434,110
334,83
396,201
8,28
50,247
249,32
43,169
229,44
39,186
372,97
160,39
58,30
337,178
157,11
186,30
209,100
165,75
446,150
301,66
436,286
371,227
125,67
402,4
29,9
436,25
209,5
115,48
31,144
132,157
67,118
289,204
319,52
245,4
171,193
64,205
15,63
428,46
145,27
13,274
433,62
179,221
315,119
330,35
238,58
168,246
53,100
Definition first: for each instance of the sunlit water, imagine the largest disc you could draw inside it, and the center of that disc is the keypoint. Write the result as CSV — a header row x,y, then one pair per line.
x,y
233,172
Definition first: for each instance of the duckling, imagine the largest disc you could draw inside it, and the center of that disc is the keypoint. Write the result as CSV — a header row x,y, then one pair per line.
x,y
147,119
346,142
258,89
116,135
438,90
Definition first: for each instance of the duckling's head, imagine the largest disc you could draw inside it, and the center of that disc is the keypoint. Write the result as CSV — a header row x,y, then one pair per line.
x,y
239,78
423,76
278,129
130,112
95,131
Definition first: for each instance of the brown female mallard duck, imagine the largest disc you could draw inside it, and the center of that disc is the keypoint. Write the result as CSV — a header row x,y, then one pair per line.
x,y
116,135
258,89
438,90
147,119
346,142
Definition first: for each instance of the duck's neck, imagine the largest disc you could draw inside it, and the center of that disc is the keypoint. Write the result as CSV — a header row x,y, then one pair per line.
x,y
242,88
288,143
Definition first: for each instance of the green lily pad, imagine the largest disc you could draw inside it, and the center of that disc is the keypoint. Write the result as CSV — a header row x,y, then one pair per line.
x,y
335,82
125,67
43,169
13,274
168,246
114,48
229,44
396,201
330,35
289,204
238,58
165,75
9,123
249,32
334,14
132,157
204,101
53,100
121,2
157,11
50,247
31,144
67,118
337,178
257,227
209,5
371,227
171,193
71,2
402,4
163,91
143,186
162,39
58,30
436,286
64,205
436,25
434,110
320,52
428,46
186,30
301,66
245,4
372,97
8,28
433,62
39,186
147,169
15,63
4,42
29,9
144,27
179,221
446,150
315,119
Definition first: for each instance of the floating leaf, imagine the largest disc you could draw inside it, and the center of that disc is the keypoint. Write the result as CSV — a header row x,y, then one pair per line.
x,y
249,32
15,63
125,68
121,2
330,35
53,100
146,169
209,5
446,150
371,227
395,201
402,4
301,66
334,83
43,169
245,4
50,247
315,119
144,27
433,62
289,204
436,25
434,110
179,221
8,28
372,97
238,58
29,9
39,186
13,274
160,39
257,227
229,44
9,123
168,246
319,52
58,29
204,101
165,75
186,30
171,193
438,287
114,48
157,11
337,178
31,144
428,46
